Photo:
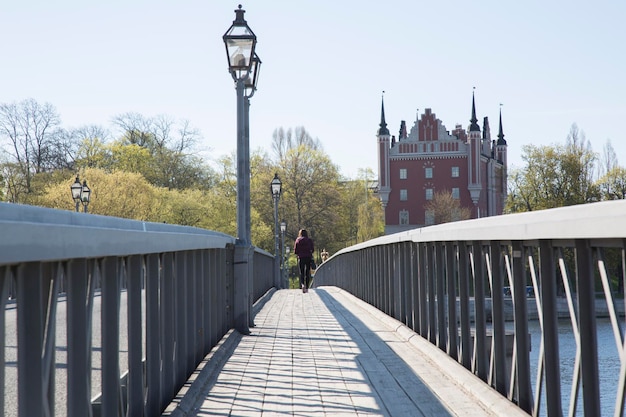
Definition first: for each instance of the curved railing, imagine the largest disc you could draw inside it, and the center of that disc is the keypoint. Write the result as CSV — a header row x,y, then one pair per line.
x,y
107,316
470,287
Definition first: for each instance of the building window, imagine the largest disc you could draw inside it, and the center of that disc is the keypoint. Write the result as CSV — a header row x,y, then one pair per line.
x,y
403,195
404,217
455,172
402,173
430,217
429,194
455,193
428,172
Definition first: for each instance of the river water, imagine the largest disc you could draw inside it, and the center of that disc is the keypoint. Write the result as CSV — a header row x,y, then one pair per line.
x,y
608,362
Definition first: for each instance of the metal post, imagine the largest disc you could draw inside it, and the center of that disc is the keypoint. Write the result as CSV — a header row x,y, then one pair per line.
x,y
276,244
243,246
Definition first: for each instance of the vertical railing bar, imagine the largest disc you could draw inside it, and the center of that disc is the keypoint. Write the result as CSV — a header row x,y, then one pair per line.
x,y
168,330
451,277
111,399
215,306
192,319
405,276
540,363
480,331
587,326
508,267
430,284
52,277
464,304
415,305
522,342
440,285
491,340
30,319
497,316
423,296
205,297
78,340
153,329
134,277
180,294
550,328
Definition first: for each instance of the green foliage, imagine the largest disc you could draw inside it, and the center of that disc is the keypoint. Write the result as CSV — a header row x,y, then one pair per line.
x,y
613,184
150,172
554,176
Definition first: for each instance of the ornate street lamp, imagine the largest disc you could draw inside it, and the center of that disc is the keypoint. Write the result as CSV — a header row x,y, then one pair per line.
x,y
80,193
76,188
240,43
243,65
85,194
275,188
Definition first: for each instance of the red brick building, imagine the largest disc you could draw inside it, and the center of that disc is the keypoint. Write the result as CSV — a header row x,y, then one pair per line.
x,y
430,159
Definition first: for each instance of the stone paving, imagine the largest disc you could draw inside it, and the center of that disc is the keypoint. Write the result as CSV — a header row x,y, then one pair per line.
x,y
326,353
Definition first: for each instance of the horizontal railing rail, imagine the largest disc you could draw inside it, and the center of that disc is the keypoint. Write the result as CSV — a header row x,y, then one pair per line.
x,y
108,316
450,284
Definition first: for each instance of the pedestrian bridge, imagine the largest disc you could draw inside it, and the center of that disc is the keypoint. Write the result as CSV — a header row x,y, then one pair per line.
x,y
112,317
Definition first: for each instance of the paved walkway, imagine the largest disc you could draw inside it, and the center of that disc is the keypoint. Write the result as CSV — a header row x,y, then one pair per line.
x,y
326,353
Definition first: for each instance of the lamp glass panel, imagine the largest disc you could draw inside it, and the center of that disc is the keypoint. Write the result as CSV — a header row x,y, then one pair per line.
x,y
76,190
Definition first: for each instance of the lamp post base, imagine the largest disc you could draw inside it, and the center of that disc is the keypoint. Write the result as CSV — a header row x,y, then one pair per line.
x,y
243,294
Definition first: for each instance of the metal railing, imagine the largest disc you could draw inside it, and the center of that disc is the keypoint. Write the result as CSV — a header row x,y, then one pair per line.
x,y
110,316
448,283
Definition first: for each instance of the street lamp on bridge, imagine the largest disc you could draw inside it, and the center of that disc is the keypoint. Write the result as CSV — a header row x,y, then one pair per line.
x,y
275,188
80,193
243,65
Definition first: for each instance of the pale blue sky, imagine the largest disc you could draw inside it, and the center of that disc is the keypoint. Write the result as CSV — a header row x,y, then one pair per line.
x,y
325,64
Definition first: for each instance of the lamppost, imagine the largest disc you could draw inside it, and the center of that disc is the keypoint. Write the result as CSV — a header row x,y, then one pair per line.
x,y
283,228
80,193
275,188
243,66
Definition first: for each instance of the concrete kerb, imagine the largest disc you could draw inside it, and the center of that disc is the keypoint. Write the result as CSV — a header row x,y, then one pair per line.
x,y
484,394
205,375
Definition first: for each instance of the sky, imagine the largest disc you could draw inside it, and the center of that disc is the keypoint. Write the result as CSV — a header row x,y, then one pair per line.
x,y
325,65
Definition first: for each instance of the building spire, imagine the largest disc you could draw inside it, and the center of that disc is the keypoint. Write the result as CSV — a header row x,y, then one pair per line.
x,y
383,125
474,126
501,140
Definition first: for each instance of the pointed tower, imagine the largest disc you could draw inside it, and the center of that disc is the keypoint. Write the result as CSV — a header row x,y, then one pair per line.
x,y
384,187
501,147
474,140
501,155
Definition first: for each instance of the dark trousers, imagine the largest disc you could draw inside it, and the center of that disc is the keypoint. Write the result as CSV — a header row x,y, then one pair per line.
x,y
305,271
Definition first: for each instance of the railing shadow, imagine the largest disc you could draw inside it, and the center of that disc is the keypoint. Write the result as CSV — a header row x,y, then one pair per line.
x,y
394,383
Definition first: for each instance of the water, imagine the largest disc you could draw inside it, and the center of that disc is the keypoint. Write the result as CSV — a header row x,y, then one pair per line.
x,y
608,364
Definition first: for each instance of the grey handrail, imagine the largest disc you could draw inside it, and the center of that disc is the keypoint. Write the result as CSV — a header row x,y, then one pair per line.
x,y
448,283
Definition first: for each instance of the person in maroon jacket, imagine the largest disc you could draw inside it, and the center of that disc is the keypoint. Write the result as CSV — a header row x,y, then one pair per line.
x,y
303,248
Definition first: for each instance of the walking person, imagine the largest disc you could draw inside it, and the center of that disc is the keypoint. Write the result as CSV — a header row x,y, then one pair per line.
x,y
303,248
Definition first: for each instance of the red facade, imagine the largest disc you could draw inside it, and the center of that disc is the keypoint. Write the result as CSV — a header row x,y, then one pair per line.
x,y
429,159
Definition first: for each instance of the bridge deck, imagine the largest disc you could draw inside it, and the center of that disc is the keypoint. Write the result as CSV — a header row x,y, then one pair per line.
x,y
328,353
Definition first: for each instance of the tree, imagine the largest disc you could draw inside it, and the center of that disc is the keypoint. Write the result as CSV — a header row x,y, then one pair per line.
x,y
613,184
30,133
554,176
170,146
609,157
445,208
